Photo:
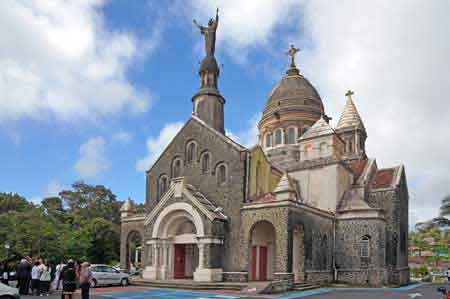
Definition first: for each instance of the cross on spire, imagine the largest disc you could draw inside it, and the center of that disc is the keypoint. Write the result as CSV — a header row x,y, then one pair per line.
x,y
349,94
292,52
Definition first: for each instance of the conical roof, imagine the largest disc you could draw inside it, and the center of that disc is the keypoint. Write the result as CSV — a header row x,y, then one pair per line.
x,y
127,206
285,184
320,128
350,117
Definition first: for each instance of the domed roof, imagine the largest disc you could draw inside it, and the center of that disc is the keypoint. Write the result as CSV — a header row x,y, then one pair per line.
x,y
293,93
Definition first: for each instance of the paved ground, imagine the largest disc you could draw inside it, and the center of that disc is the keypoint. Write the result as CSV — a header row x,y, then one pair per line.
x,y
418,292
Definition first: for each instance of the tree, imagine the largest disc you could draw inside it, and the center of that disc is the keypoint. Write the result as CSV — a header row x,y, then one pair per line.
x,y
12,202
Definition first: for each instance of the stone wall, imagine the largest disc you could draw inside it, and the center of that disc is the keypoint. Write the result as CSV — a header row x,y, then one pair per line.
x,y
229,196
127,228
352,268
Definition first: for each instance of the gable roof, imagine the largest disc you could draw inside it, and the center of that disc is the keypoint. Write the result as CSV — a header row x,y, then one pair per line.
x,y
194,196
350,117
194,118
320,128
357,167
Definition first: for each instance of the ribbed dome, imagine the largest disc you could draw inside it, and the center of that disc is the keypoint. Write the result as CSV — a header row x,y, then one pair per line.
x,y
293,93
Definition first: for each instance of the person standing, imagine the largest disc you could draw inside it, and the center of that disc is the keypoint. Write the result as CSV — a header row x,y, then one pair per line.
x,y
23,273
85,280
448,275
35,275
44,280
69,280
57,279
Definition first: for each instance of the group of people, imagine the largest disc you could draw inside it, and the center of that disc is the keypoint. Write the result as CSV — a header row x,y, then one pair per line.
x,y
42,278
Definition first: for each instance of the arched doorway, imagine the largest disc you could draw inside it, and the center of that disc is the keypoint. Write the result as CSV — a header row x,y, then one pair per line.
x,y
298,253
134,251
182,237
262,251
176,249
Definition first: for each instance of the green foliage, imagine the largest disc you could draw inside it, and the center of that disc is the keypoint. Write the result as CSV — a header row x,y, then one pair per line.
x,y
82,223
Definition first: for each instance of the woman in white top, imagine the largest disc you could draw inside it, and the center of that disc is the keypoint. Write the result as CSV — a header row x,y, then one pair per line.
x,y
44,280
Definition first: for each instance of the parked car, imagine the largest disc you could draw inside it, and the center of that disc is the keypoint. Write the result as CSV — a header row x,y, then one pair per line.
x,y
105,275
7,292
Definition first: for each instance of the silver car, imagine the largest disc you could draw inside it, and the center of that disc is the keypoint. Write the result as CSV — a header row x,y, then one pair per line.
x,y
8,292
105,275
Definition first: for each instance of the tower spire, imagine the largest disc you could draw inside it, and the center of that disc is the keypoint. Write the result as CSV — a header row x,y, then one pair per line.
x,y
208,102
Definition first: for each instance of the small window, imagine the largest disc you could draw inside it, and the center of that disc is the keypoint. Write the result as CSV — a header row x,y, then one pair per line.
x,y
278,137
365,246
162,186
176,169
304,129
191,152
221,174
350,146
290,137
205,163
269,140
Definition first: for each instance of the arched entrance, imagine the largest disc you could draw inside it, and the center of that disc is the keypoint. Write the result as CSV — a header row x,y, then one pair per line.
x,y
298,253
134,251
262,251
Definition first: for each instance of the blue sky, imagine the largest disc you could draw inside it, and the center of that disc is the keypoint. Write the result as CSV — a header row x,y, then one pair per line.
x,y
94,90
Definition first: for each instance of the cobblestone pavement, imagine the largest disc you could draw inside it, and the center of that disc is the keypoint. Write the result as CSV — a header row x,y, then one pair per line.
x,y
418,292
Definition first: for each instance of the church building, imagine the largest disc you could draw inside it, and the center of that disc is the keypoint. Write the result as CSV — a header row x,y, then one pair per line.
x,y
305,204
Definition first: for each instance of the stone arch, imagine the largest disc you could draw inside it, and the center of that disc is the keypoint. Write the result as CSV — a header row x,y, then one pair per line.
x,y
262,250
173,212
134,250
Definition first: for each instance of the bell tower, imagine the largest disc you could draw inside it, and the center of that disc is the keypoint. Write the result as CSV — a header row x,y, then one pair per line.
x,y
208,103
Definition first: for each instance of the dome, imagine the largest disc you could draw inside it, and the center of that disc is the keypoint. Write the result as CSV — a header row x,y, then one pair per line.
x,y
293,93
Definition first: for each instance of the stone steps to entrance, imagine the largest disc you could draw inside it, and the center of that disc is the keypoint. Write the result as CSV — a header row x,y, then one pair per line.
x,y
189,284
305,286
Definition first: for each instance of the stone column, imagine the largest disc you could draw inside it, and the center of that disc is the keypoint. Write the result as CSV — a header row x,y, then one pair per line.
x,y
205,271
151,271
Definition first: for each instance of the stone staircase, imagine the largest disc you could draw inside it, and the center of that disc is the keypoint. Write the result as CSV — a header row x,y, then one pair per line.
x,y
305,286
189,285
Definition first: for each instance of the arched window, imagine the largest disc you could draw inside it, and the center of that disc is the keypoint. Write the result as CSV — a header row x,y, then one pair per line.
x,y
290,135
163,185
278,137
257,177
205,162
176,168
221,174
350,146
191,152
364,249
269,140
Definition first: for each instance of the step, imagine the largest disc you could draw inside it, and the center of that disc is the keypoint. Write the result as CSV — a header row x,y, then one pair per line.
x,y
190,286
305,287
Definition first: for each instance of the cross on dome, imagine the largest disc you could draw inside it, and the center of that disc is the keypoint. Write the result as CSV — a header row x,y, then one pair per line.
x,y
292,52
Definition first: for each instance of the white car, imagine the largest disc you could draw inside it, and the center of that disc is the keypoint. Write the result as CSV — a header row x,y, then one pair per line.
x,y
106,275
7,292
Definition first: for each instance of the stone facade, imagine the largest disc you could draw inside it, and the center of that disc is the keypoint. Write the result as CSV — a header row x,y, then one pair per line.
x,y
305,204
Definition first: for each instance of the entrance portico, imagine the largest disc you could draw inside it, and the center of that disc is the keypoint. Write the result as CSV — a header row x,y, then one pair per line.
x,y
180,246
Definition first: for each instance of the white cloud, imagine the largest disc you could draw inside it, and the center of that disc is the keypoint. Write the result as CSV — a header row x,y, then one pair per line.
x,y
57,59
53,188
245,25
393,54
156,145
122,136
92,161
248,137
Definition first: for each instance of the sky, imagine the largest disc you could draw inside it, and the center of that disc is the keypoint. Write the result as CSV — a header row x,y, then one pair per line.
x,y
94,90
